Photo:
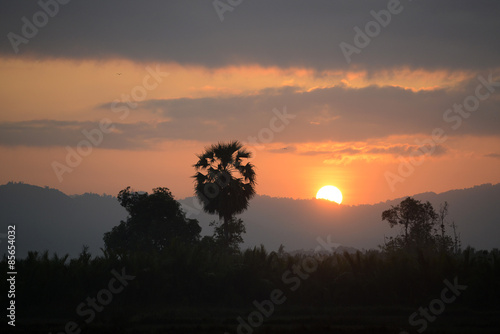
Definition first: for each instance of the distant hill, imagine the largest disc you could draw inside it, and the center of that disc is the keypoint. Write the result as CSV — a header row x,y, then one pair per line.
x,y
298,223
47,219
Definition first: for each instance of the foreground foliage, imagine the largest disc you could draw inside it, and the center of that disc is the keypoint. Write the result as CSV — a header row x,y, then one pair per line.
x,y
201,274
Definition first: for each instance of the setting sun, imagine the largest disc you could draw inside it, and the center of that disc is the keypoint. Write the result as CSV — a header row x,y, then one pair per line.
x,y
330,193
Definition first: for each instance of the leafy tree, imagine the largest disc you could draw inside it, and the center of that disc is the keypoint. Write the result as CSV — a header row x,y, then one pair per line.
x,y
154,221
419,222
225,184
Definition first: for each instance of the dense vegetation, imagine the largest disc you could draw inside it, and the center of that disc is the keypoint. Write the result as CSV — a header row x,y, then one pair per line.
x,y
183,276
190,275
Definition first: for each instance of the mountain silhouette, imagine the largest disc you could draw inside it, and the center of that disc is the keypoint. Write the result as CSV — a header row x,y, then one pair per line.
x,y
47,219
297,223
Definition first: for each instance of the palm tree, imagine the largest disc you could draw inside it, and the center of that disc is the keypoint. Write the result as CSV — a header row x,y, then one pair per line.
x,y
223,182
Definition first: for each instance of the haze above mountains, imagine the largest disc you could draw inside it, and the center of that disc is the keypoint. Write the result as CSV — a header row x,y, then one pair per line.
x,y
47,219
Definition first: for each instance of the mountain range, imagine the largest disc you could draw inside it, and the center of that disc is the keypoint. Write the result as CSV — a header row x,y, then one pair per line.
x,y
47,219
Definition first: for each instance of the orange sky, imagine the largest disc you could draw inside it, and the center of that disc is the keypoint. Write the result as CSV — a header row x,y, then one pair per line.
x,y
72,91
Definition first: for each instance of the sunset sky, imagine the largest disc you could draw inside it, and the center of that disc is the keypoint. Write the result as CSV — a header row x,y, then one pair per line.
x,y
346,93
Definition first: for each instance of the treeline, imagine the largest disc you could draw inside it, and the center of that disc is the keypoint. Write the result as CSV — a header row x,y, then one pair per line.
x,y
184,275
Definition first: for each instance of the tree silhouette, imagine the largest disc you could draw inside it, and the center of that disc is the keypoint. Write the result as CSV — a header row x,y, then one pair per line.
x,y
419,221
154,220
224,183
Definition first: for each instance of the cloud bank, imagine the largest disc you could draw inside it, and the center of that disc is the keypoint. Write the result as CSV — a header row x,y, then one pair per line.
x,y
338,114
448,34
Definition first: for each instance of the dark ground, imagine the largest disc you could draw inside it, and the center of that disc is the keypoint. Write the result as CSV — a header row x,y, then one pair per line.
x,y
284,320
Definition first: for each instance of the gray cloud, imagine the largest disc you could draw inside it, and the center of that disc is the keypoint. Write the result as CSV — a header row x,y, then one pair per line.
x,y
285,149
404,150
493,155
48,133
447,34
394,150
349,115
349,152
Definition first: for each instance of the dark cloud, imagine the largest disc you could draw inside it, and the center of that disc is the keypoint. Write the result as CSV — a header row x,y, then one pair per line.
x,y
344,155
493,155
404,150
313,152
348,152
337,114
285,149
447,34
48,133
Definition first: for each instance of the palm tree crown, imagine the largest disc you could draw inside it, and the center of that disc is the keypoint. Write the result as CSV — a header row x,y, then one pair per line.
x,y
223,182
